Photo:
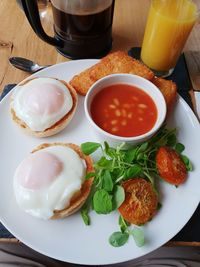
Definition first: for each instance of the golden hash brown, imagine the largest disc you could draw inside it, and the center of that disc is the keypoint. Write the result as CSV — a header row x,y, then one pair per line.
x,y
116,62
168,89
120,62
82,82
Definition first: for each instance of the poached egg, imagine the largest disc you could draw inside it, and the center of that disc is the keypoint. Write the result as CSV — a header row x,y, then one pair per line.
x,y
41,102
47,180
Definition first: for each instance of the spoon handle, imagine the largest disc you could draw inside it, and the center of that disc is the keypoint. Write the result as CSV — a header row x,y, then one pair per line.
x,y
25,64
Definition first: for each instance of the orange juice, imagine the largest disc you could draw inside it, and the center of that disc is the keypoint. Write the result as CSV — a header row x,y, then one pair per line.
x,y
168,26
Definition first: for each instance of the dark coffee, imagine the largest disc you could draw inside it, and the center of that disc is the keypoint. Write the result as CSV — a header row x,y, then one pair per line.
x,y
85,35
83,28
76,26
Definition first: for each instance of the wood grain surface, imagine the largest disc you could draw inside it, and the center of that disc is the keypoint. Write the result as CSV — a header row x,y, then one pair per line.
x,y
193,63
18,39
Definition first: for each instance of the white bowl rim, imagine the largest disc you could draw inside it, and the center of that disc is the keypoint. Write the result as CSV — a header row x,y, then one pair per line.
x,y
138,138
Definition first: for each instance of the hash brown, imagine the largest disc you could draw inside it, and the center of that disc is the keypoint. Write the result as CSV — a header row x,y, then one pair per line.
x,y
169,91
116,62
120,62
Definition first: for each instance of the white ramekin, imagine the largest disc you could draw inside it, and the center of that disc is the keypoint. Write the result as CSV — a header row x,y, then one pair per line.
x,y
142,84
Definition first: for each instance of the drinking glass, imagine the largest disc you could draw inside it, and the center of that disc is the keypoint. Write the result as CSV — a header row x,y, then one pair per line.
x,y
168,26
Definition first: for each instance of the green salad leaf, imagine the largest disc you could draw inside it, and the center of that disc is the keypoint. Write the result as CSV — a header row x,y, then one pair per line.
x,y
118,239
138,236
89,147
118,197
102,202
116,165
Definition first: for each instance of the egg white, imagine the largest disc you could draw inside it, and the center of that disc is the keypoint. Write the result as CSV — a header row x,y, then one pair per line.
x,y
41,203
34,121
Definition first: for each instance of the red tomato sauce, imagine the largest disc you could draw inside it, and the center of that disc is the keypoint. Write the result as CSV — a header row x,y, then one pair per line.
x,y
123,110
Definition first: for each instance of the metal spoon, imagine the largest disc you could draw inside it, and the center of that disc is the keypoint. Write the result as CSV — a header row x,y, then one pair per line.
x,y
26,64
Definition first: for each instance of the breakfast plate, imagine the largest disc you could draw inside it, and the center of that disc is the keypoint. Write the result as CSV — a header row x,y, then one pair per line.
x,y
69,239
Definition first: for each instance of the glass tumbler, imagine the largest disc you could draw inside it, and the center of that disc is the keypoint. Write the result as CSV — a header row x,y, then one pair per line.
x,y
168,26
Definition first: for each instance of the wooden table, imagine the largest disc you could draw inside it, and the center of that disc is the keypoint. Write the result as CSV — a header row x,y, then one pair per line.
x,y
18,39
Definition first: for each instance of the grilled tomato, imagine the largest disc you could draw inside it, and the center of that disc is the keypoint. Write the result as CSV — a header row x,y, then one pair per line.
x,y
140,202
170,166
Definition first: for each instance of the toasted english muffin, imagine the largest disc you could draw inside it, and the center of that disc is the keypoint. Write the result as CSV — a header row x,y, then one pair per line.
x,y
58,125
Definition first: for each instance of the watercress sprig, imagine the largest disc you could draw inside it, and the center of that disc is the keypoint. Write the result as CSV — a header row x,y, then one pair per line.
x,y
119,164
119,238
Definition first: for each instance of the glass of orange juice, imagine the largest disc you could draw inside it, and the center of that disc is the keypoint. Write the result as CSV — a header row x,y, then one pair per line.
x,y
168,26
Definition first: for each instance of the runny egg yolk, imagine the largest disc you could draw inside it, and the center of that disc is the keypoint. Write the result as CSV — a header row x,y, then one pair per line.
x,y
38,171
35,101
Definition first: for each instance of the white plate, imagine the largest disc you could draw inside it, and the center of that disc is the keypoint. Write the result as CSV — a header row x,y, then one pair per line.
x,y
69,239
